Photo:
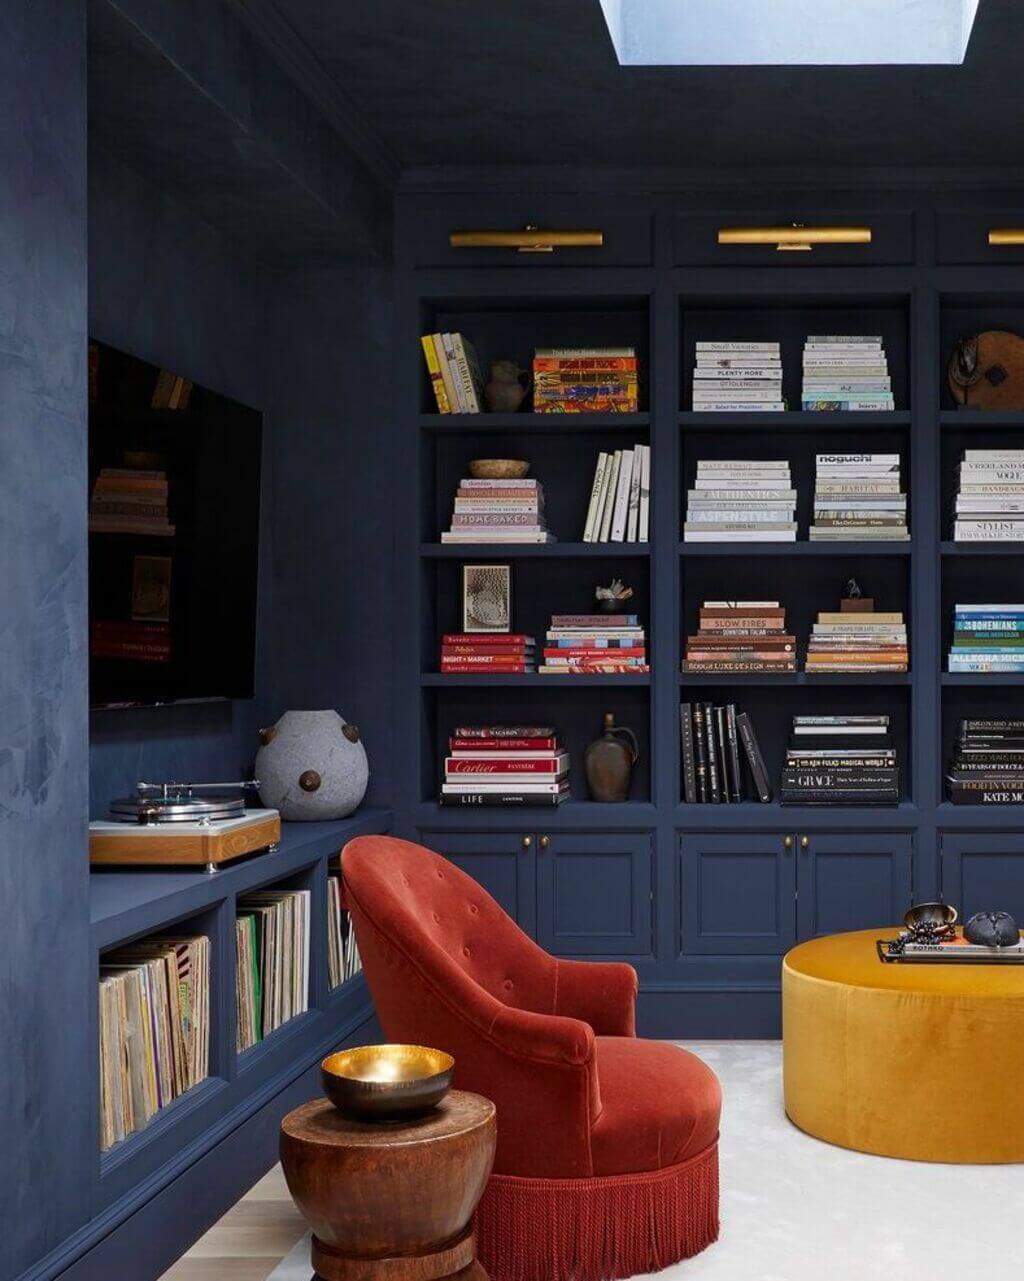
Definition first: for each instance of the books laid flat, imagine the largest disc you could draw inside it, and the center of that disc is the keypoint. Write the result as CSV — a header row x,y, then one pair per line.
x,y
987,638
126,500
454,373
592,644
498,511
719,752
272,954
494,652
987,767
741,500
858,496
845,371
738,377
856,640
516,765
343,959
576,380
741,636
620,497
154,1029
840,760
989,504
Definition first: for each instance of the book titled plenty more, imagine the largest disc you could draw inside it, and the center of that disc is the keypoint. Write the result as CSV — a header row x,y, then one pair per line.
x,y
454,373
517,765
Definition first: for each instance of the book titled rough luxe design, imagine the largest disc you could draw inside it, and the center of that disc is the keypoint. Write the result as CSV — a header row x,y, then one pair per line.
x,y
714,742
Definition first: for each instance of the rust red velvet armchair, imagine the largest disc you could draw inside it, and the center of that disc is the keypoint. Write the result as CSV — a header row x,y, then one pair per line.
x,y
607,1145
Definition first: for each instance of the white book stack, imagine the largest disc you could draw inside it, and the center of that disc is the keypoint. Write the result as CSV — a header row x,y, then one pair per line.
x,y
741,501
858,496
846,371
738,377
620,497
498,511
990,497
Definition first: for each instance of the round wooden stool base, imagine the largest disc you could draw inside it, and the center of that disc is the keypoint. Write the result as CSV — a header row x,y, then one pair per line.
x,y
453,1261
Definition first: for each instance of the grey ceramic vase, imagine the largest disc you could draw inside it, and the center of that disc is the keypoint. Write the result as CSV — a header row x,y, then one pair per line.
x,y
312,767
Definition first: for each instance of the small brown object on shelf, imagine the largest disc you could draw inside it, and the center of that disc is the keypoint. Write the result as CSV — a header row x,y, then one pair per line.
x,y
498,468
391,1202
387,1081
609,762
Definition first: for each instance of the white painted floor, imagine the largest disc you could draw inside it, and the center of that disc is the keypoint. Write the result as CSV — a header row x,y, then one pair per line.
x,y
794,1208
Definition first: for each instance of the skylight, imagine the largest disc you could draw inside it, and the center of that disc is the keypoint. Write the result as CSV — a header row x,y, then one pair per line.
x,y
696,33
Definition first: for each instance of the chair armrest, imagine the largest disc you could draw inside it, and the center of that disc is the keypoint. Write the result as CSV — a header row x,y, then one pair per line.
x,y
542,1038
601,993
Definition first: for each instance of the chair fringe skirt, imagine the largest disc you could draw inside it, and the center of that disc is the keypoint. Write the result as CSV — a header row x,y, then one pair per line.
x,y
598,1229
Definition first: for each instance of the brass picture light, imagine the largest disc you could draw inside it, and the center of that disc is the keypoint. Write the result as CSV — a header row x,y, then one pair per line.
x,y
795,237
529,240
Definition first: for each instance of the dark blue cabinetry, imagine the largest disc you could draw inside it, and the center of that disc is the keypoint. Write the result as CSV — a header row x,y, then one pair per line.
x,y
984,871
851,881
737,893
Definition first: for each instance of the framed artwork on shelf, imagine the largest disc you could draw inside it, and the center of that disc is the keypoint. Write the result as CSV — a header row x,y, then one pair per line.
x,y
487,598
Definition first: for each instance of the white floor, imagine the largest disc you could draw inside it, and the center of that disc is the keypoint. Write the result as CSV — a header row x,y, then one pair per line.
x,y
794,1208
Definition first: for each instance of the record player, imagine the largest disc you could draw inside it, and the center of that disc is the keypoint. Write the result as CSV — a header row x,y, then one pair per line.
x,y
183,824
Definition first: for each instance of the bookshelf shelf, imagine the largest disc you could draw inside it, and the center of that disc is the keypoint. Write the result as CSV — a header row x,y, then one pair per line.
x,y
983,678
549,551
532,680
982,419
796,420
788,818
572,814
950,548
839,550
542,424
793,678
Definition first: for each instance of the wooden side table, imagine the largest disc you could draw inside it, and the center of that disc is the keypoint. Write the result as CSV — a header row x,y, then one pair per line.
x,y
391,1201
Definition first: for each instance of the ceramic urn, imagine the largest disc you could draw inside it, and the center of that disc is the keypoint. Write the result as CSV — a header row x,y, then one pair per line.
x,y
312,766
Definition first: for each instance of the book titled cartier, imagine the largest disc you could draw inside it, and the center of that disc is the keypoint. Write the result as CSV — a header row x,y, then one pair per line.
x,y
517,765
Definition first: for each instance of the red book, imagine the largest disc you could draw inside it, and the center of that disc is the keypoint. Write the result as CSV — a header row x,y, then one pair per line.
x,y
503,731
545,744
601,655
484,660
486,638
543,765
498,669
468,651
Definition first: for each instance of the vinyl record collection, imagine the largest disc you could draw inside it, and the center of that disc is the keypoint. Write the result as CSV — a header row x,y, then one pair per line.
x,y
738,377
154,1029
495,653
720,752
343,959
989,506
272,970
520,765
858,496
741,636
575,380
858,641
498,511
840,760
582,644
620,497
846,371
988,763
741,500
987,638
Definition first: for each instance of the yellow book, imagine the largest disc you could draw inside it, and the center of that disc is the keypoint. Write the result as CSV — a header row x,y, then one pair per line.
x,y
436,380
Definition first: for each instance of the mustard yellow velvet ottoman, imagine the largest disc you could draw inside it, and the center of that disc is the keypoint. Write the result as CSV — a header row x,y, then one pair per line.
x,y
914,1061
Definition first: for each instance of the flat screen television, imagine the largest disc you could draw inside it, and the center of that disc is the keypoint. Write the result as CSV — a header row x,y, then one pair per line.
x,y
174,515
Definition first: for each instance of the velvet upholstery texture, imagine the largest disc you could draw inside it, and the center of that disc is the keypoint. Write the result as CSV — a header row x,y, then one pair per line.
x,y
594,1125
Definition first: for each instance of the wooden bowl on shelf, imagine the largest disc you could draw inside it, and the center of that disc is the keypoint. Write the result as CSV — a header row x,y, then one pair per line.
x,y
498,468
384,1082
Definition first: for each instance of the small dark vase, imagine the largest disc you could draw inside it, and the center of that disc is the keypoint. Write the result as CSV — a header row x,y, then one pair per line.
x,y
506,390
609,762
992,929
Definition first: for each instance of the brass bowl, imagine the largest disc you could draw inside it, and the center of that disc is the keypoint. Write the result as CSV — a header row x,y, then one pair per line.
x,y
498,468
383,1082
933,914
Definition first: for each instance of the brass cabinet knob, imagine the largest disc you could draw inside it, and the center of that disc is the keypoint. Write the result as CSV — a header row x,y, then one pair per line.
x,y
527,842
545,841
787,842
804,842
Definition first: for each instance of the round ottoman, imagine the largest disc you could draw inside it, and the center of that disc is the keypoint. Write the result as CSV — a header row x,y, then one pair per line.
x,y
914,1061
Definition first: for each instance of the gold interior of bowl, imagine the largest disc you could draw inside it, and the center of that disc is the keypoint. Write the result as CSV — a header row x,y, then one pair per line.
x,y
388,1064
943,913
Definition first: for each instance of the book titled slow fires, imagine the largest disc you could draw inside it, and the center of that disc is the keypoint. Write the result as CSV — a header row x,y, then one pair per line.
x,y
505,764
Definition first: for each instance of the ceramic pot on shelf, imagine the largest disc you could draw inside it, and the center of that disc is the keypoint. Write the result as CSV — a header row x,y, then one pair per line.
x,y
506,389
609,762
312,766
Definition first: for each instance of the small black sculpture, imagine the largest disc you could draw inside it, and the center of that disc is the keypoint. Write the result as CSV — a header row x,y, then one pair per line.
x,y
852,590
992,929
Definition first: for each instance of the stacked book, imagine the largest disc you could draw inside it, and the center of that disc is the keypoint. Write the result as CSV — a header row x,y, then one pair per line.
x,y
620,497
454,373
272,955
859,496
741,501
714,742
987,638
498,511
154,1024
343,959
128,500
738,377
990,497
588,644
840,760
741,636
846,371
863,640
497,653
585,380
523,765
988,764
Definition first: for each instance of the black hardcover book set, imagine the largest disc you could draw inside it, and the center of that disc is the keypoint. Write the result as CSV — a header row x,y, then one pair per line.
x,y
714,740
840,760
988,763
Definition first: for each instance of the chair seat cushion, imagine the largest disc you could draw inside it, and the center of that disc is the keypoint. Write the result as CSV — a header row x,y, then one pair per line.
x,y
660,1105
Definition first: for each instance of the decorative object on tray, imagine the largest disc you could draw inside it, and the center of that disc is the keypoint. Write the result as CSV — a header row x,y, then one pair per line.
x,y
931,936
578,380
516,765
619,510
858,496
498,511
986,371
712,742
992,929
487,598
610,599
988,763
312,766
387,1082
609,762
846,371
506,390
498,468
595,644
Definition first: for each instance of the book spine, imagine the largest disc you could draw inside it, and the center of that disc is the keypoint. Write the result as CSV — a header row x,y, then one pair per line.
x,y
644,532
723,755
443,347
610,496
686,746
595,494
623,482
478,800
464,369
755,761
633,508
734,753
434,369
714,786
503,731
548,744
700,754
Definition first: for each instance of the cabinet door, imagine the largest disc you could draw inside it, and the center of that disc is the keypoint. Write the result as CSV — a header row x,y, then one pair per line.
x,y
502,862
594,893
856,882
737,894
984,872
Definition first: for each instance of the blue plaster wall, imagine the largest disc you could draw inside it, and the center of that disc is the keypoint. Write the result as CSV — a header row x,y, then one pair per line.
x,y
45,984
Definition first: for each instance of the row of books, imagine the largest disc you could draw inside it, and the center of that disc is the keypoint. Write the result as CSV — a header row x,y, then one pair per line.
x,y
741,636
127,500
343,959
620,497
858,638
498,511
582,644
738,377
987,767
573,380
496,652
154,1029
491,765
845,371
720,752
840,760
987,638
741,500
858,496
454,373
989,504
272,969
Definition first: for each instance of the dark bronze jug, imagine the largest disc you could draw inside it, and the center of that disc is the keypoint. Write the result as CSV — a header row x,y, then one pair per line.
x,y
609,762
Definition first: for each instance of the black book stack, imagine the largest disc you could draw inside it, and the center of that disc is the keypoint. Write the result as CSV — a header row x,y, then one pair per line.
x,y
714,742
988,764
840,760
